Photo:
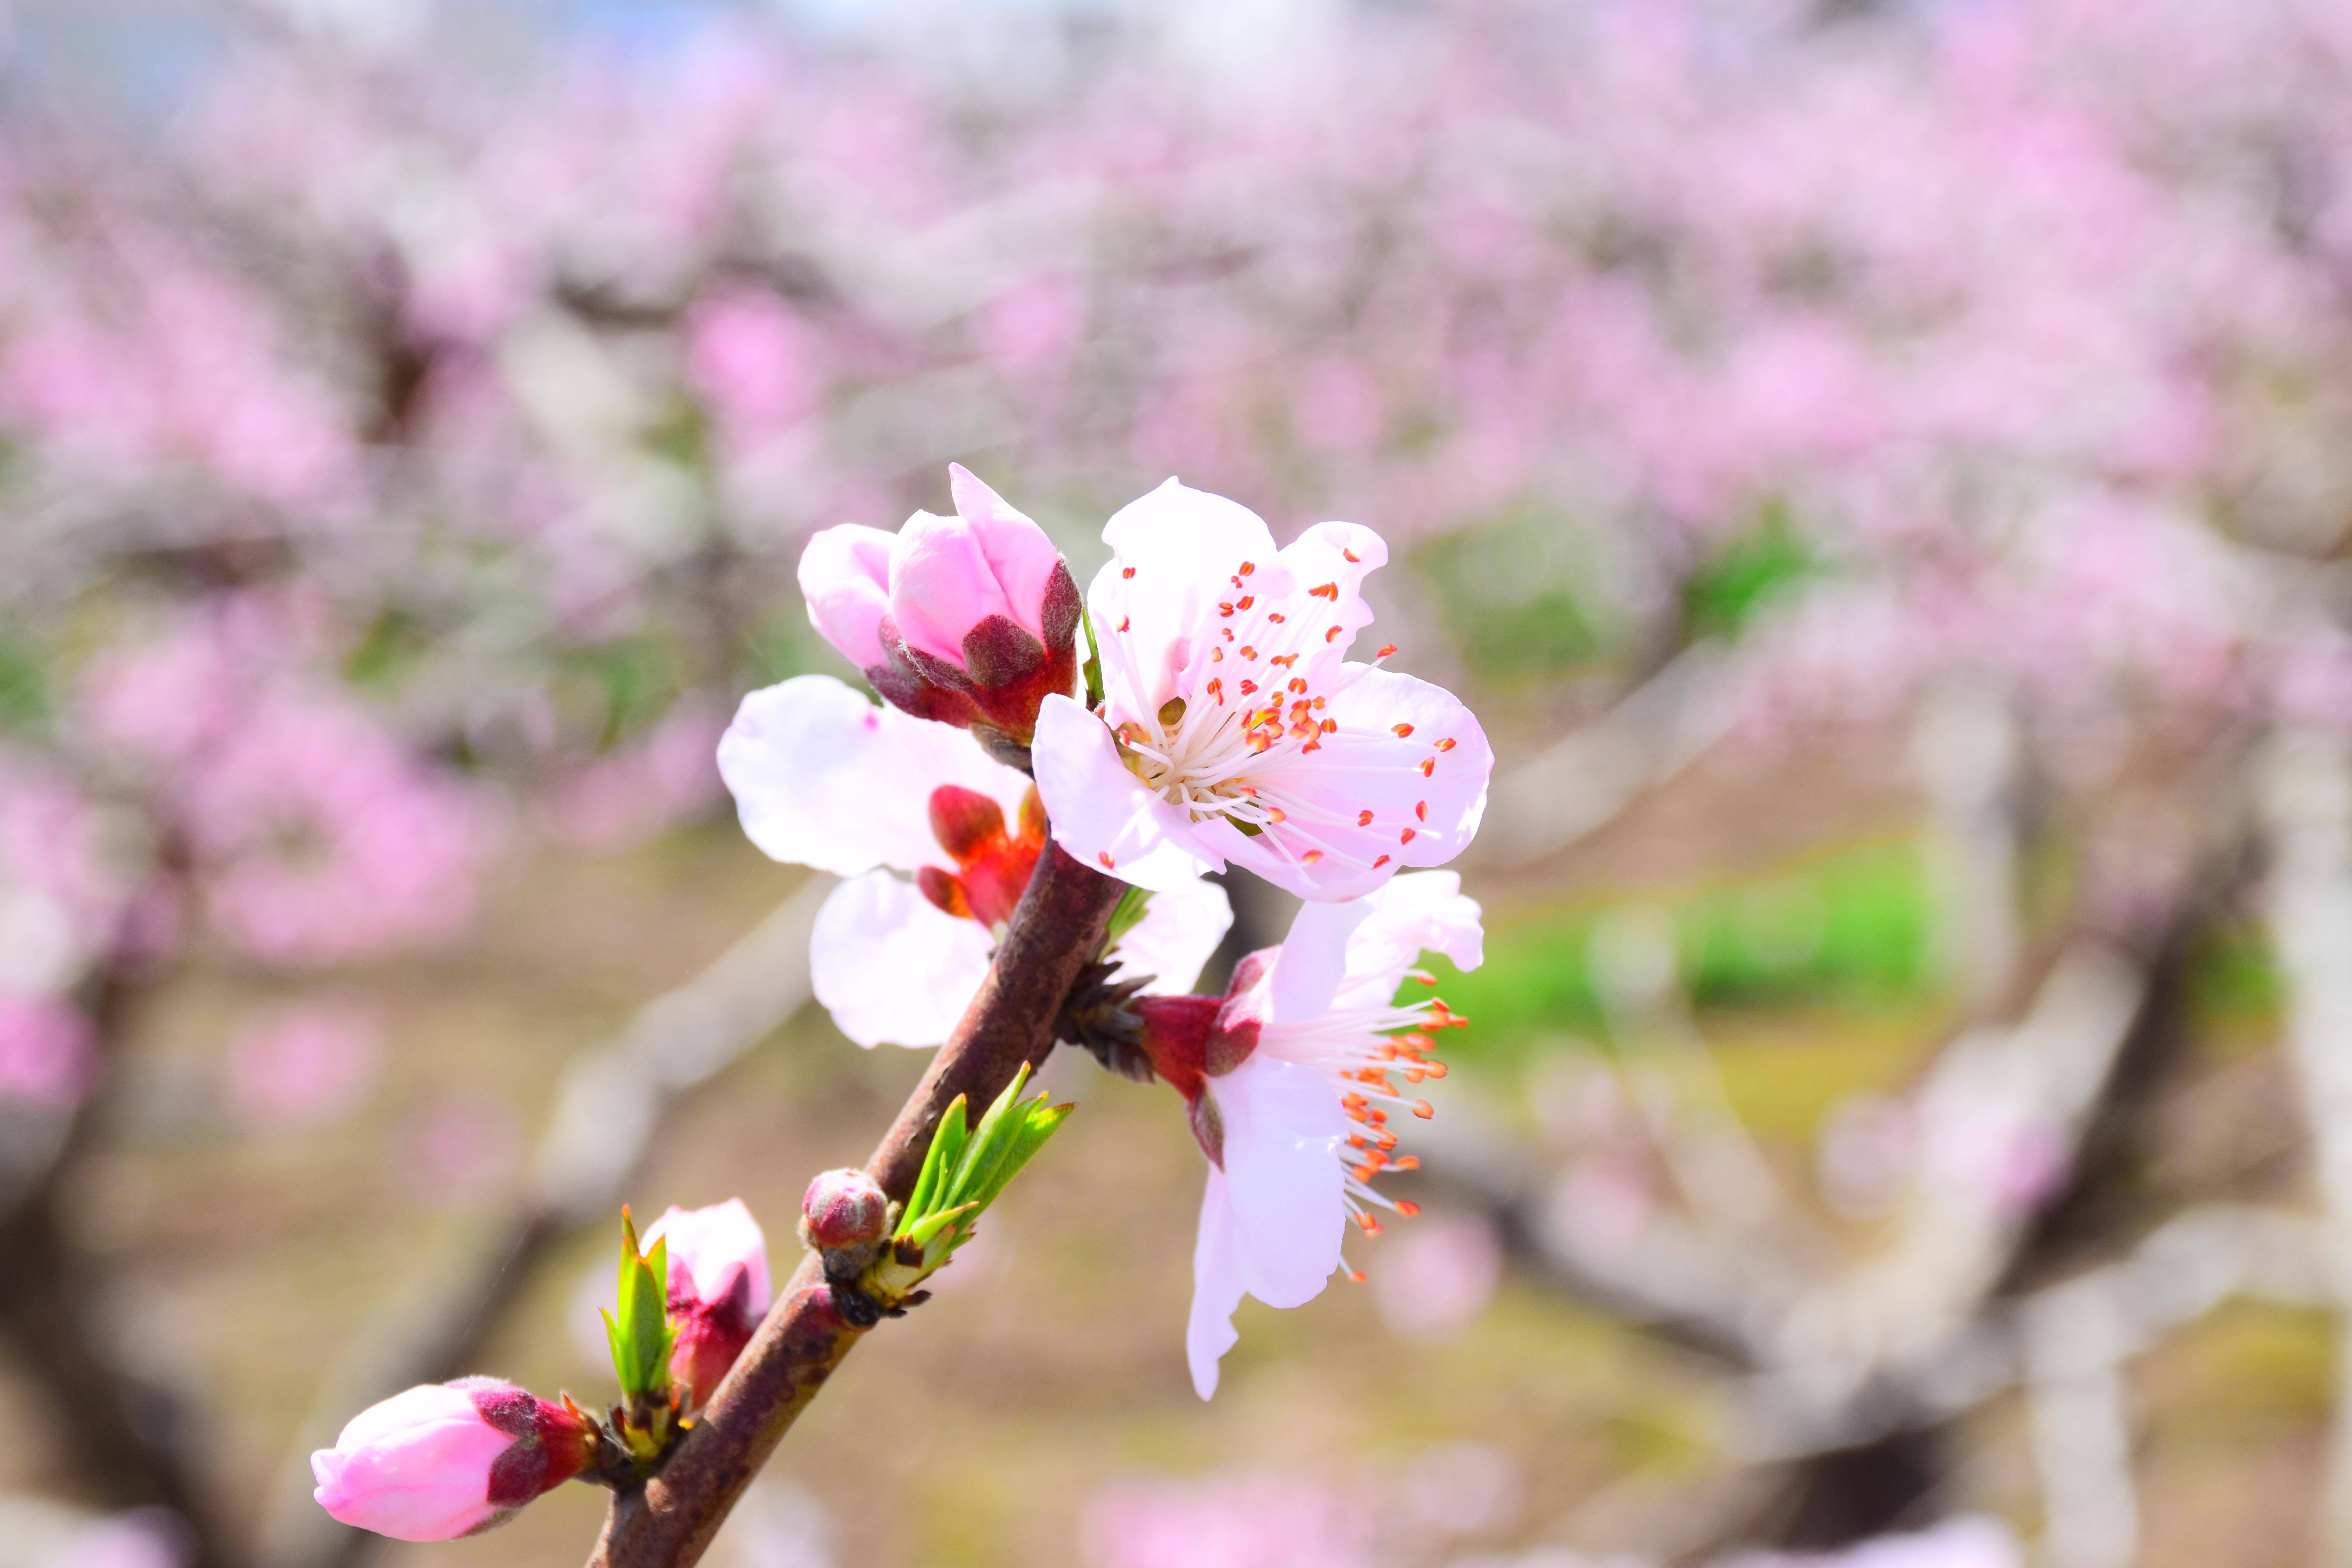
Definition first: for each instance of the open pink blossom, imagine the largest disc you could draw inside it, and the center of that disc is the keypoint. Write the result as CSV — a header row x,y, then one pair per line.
x,y
719,1289
48,1052
1289,1079
1234,728
936,840
970,619
448,1459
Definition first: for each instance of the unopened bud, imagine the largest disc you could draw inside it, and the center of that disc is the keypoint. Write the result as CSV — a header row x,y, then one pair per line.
x,y
844,1209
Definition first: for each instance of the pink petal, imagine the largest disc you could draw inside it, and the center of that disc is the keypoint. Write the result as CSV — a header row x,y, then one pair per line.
x,y
1217,1289
1418,819
1179,931
1421,912
821,777
844,574
1174,550
1018,553
1313,959
941,585
891,967
1283,1125
1102,815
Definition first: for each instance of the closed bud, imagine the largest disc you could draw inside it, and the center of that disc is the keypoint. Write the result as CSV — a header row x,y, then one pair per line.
x,y
971,620
718,1290
448,1459
844,1210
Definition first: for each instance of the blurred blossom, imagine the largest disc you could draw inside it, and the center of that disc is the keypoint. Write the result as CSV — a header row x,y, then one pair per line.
x,y
778,1524
1607,1200
1225,1522
462,1148
318,840
1031,327
48,1052
304,1064
636,790
751,358
1868,1150
145,1538
1438,1274
1459,1488
1968,1542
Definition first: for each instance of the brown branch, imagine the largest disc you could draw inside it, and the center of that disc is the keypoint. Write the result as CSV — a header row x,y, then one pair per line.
x,y
1056,931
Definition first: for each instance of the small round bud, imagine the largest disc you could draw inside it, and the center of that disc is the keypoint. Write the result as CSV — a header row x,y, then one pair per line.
x,y
844,1209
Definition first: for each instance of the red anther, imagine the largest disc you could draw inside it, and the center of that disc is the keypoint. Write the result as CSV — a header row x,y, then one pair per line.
x,y
1365,1172
1381,862
1248,567
1386,649
1332,635
1351,1101
1401,731
1326,591
1297,682
1386,1142
1216,688
1223,609
1374,1115
1248,652
1319,705
1104,856
1407,1207
1423,975
1371,1225
1313,745
1277,616
1123,622
1352,558
1423,1109
1246,600
1228,631
1446,744
1414,1073
1355,1140
1275,814
1216,656
1363,819
1330,726
1128,571
1405,1163
1428,767
1284,659
1434,1069
1420,810
1249,790
1406,837
1312,858
1355,1276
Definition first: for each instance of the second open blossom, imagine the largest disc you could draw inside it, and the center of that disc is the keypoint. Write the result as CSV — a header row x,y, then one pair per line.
x,y
1234,727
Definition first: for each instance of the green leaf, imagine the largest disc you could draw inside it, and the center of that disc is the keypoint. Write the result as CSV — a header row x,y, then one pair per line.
x,y
1093,667
1130,913
638,1327
988,1143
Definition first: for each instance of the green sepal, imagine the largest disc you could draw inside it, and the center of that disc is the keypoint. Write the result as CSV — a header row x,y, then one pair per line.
x,y
1129,913
638,1329
1092,668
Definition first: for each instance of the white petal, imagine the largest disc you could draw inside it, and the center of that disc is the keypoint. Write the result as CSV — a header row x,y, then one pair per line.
x,y
1313,959
1216,1287
1173,553
1421,911
822,777
891,967
1282,1124
1179,931
1102,815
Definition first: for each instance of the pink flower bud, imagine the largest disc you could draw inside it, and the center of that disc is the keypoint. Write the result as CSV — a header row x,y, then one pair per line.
x,y
448,1459
719,1289
845,577
970,620
844,1209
